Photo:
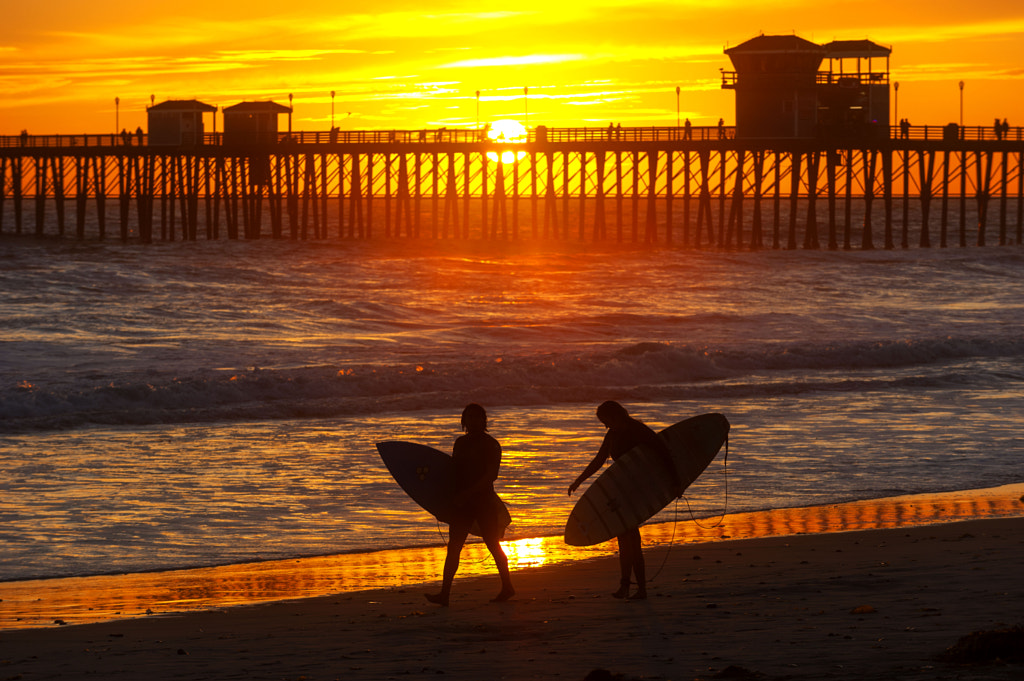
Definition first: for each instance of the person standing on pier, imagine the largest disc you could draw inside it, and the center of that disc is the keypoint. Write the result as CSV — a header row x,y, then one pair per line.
x,y
476,456
625,433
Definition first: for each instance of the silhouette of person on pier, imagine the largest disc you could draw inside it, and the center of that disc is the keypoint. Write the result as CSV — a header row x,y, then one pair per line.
x,y
999,130
476,456
687,130
624,433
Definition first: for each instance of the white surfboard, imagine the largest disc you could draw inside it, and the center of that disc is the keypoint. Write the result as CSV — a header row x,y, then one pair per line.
x,y
636,486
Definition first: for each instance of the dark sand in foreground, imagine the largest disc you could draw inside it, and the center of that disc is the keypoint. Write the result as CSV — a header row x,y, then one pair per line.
x,y
873,604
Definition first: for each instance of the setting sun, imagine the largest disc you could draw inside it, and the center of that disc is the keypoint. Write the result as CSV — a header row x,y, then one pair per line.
x,y
507,131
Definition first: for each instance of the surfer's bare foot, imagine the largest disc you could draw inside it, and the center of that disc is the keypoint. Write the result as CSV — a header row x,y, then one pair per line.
x,y
622,592
438,599
640,595
506,593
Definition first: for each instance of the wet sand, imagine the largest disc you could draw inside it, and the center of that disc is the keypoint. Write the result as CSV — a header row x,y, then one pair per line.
x,y
865,604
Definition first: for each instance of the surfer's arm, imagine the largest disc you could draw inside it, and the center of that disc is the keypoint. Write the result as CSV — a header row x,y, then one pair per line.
x,y
591,468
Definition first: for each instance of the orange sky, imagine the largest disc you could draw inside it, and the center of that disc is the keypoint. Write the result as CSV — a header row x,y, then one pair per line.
x,y
394,64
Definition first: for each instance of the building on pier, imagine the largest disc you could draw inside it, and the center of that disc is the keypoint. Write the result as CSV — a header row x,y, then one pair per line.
x,y
252,123
854,102
782,92
177,123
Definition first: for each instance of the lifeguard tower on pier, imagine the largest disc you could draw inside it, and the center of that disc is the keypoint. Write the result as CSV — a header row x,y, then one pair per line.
x,y
783,93
252,123
177,122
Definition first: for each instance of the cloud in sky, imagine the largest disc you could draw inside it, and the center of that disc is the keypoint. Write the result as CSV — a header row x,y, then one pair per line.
x,y
513,61
625,55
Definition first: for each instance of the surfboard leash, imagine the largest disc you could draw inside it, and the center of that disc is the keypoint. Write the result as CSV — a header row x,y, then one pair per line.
x,y
440,532
671,541
725,510
675,512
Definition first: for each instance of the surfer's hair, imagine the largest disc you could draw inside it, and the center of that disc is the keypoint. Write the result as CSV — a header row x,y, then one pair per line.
x,y
474,414
611,410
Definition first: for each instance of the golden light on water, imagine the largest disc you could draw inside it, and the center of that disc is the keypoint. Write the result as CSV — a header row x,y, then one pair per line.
x,y
506,156
42,603
523,553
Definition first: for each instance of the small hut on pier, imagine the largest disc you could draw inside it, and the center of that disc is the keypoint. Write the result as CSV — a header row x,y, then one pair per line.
x,y
177,122
854,103
252,123
776,86
782,92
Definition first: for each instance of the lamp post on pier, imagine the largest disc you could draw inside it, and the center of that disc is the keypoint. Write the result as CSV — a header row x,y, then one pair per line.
x,y
677,106
117,114
961,105
477,109
526,107
332,109
896,93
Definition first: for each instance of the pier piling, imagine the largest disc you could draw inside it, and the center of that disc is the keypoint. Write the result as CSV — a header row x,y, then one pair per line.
x,y
429,185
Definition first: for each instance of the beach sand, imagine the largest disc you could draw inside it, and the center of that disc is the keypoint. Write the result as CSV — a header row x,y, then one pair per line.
x,y
872,604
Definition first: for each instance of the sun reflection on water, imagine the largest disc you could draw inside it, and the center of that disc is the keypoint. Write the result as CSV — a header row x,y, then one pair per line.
x,y
524,553
79,600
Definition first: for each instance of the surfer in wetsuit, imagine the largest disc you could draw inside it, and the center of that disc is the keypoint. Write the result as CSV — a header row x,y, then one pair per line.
x,y
476,457
624,433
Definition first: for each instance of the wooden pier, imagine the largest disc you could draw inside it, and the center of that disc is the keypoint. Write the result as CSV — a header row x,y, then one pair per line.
x,y
699,188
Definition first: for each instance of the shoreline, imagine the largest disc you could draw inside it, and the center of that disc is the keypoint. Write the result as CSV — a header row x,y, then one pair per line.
x,y
46,603
845,606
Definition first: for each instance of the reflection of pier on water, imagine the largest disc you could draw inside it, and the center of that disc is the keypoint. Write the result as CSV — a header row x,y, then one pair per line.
x,y
79,600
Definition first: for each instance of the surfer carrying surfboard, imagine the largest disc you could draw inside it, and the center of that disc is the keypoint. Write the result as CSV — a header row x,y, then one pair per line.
x,y
625,433
476,457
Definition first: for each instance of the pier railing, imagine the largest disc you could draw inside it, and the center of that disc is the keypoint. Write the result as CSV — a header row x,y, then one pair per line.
x,y
469,135
433,135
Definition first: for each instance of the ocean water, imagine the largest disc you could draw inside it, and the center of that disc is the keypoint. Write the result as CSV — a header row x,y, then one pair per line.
x,y
188,404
